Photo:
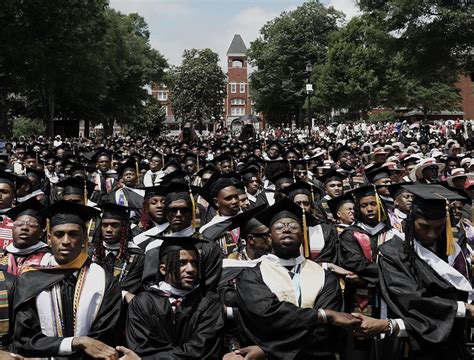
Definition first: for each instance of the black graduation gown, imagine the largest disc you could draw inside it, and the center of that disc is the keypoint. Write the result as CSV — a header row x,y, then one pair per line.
x,y
154,331
7,312
424,301
29,341
323,213
129,271
218,233
283,330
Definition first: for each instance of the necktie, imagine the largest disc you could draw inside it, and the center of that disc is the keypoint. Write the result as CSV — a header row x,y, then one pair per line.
x,y
175,304
153,177
67,301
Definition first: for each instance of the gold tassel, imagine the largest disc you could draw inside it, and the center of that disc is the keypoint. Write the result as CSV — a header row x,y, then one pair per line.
x,y
305,237
197,162
450,248
48,231
137,170
382,216
85,192
312,193
193,203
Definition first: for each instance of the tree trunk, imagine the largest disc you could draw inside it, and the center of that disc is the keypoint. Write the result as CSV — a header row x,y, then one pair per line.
x,y
200,126
86,128
108,127
48,107
5,130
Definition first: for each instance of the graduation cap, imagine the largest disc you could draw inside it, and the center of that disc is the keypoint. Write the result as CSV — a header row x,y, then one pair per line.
x,y
66,212
129,164
115,211
241,220
31,207
151,191
432,203
101,151
331,175
176,243
208,168
77,186
336,154
398,189
175,188
335,203
277,144
370,190
11,179
378,174
285,208
302,187
216,183
30,172
176,176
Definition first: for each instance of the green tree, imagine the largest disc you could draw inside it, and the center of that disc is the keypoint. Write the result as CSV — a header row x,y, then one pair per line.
x,y
198,87
130,64
361,72
286,45
23,126
150,120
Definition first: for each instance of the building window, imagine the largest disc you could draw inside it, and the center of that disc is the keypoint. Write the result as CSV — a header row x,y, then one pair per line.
x,y
237,64
233,88
237,101
237,111
162,95
242,88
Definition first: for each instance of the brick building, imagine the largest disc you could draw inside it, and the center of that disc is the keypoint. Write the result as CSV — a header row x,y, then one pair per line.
x,y
466,87
237,103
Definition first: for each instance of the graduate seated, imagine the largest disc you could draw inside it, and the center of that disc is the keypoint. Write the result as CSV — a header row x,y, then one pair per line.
x,y
289,305
176,319
71,306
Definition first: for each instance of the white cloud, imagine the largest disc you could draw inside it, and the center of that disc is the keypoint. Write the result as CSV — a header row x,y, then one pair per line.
x,y
348,7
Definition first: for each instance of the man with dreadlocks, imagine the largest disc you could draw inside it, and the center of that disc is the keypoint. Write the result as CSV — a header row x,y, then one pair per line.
x,y
176,318
116,253
424,280
358,254
179,208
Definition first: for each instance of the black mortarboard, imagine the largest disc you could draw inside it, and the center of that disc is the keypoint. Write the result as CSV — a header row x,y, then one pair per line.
x,y
430,200
278,144
331,175
377,174
66,212
35,173
281,209
466,199
182,187
335,203
241,220
335,154
250,170
216,183
93,156
397,189
115,211
10,178
363,191
150,191
30,155
31,207
302,187
285,208
75,186
281,177
129,164
176,176
174,243
207,168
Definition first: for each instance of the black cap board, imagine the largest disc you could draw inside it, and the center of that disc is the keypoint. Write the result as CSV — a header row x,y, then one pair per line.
x,y
31,207
66,212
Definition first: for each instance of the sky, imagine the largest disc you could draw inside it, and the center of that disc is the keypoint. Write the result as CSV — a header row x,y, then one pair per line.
x,y
176,25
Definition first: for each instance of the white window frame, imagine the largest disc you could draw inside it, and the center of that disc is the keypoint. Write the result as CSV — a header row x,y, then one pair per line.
x,y
242,88
237,101
233,88
162,95
237,111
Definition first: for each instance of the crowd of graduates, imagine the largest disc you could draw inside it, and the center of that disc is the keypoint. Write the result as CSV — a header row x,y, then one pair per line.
x,y
349,244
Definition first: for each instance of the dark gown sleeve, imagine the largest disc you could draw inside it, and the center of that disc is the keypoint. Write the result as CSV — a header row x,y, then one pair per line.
x,y
150,267
211,262
329,253
280,328
261,199
133,281
320,212
428,314
352,258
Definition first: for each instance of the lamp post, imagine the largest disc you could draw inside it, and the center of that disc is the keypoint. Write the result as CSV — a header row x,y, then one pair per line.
x,y
309,91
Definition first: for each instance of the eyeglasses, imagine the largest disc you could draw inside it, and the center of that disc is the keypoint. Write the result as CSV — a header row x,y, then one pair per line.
x,y
280,227
263,235
183,211
25,223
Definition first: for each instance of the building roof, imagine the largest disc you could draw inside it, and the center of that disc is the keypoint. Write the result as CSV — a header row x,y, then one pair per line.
x,y
237,47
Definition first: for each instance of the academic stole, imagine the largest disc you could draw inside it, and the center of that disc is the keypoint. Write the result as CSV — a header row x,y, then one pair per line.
x,y
4,311
57,307
364,296
122,267
278,280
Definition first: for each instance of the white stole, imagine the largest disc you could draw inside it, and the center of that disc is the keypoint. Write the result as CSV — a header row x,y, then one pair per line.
x,y
90,301
156,230
278,280
316,238
444,269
